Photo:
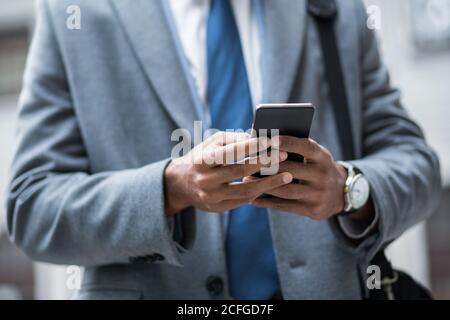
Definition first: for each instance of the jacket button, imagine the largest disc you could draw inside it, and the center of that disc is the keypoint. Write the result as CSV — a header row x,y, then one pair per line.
x,y
214,285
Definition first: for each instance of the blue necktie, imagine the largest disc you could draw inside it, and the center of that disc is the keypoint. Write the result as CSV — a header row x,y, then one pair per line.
x,y
250,257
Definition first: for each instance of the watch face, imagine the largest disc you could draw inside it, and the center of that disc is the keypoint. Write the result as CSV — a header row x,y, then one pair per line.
x,y
359,192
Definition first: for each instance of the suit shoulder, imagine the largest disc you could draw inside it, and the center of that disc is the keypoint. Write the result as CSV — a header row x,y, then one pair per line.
x,y
59,9
352,9
93,15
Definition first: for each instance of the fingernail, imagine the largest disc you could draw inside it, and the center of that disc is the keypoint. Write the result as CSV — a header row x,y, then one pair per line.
x,y
287,178
283,155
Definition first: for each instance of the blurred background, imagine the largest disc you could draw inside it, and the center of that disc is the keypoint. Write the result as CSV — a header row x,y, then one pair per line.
x,y
415,40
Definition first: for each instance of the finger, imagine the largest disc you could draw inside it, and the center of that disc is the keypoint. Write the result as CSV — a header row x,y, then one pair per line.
x,y
301,171
308,148
250,178
254,189
223,138
292,206
292,192
234,172
234,152
265,157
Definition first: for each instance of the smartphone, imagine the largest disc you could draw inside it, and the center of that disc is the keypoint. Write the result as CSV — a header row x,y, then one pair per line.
x,y
291,119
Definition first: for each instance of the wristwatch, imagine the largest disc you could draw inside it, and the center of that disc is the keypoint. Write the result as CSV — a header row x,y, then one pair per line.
x,y
356,189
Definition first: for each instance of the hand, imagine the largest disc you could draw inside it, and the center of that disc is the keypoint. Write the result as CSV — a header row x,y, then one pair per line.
x,y
201,180
320,194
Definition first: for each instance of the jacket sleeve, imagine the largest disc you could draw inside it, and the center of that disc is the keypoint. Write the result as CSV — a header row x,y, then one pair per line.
x,y
57,211
403,171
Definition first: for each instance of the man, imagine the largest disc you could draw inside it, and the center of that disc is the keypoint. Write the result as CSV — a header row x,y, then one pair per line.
x,y
93,183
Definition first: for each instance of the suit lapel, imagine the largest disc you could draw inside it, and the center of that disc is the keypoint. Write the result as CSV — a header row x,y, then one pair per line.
x,y
149,33
285,24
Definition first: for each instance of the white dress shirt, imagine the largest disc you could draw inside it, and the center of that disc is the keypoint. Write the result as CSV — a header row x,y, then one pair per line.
x,y
191,16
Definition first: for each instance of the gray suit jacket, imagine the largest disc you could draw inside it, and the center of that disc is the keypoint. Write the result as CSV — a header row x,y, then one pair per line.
x,y
96,113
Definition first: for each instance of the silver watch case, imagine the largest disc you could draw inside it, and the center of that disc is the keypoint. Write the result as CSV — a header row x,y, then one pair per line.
x,y
356,189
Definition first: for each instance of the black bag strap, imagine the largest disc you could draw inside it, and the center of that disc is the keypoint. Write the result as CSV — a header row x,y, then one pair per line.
x,y
325,13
